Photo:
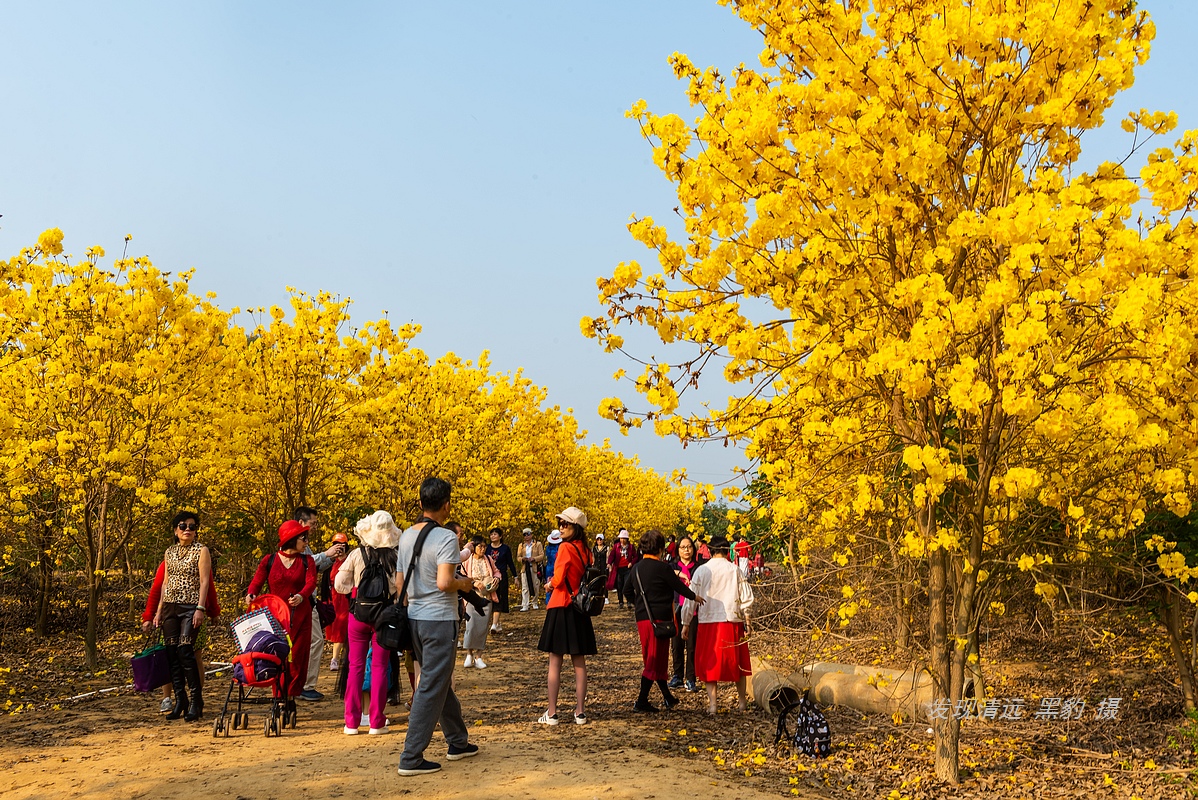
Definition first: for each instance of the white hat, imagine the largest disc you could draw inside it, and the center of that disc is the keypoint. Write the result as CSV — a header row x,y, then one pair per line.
x,y
527,531
574,515
377,530
555,538
623,535
598,535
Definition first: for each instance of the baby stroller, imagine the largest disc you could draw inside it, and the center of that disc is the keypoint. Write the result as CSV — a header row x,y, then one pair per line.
x,y
264,661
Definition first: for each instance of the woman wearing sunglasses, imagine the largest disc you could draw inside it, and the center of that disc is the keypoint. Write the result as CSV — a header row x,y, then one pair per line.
x,y
181,612
567,631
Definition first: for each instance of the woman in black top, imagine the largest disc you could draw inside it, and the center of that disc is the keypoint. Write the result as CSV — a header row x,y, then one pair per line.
x,y
652,585
501,554
600,552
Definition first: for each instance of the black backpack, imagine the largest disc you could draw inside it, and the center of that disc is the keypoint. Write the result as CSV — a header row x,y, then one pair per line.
x,y
377,584
811,736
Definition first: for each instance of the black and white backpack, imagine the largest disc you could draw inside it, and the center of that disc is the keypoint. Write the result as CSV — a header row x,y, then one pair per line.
x,y
811,735
376,584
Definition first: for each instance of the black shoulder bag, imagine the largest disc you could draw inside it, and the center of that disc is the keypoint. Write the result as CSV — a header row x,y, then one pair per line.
x,y
392,628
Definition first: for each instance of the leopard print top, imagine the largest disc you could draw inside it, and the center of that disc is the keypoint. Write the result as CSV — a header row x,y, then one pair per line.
x,y
182,583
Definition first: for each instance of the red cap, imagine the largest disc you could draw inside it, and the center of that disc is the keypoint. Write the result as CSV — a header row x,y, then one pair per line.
x,y
340,537
289,530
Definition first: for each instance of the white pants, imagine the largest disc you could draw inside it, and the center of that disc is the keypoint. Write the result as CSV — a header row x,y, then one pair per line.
x,y
529,593
315,653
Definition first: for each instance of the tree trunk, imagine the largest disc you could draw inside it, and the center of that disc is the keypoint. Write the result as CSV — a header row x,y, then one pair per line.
x,y
902,599
946,732
93,613
44,584
1178,643
902,628
45,574
95,571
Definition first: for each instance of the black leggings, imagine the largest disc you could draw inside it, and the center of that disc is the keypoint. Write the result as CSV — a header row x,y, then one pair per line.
x,y
176,621
683,652
622,590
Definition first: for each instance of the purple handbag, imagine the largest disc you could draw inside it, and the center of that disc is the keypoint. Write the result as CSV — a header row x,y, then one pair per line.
x,y
150,669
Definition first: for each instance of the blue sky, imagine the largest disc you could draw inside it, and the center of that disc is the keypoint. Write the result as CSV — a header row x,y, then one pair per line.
x,y
464,165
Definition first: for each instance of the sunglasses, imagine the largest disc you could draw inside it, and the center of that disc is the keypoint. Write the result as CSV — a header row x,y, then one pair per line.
x,y
188,526
561,523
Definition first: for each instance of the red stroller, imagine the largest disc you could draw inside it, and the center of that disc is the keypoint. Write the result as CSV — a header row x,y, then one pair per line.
x,y
264,661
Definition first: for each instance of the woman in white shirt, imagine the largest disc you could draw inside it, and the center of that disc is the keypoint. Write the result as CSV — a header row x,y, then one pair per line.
x,y
721,652
479,568
379,536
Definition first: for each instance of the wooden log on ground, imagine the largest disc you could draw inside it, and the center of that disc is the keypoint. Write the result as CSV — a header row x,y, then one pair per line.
x,y
867,689
769,689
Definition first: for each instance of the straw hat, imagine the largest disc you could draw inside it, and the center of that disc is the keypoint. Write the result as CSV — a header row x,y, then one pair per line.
x,y
377,530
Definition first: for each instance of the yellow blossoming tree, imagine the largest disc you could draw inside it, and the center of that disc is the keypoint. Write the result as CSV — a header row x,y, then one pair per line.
x,y
100,368
932,316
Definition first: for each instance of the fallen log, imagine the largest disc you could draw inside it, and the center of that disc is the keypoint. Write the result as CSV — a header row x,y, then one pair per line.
x,y
770,689
867,689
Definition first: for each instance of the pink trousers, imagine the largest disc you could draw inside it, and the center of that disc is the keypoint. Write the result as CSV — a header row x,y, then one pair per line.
x,y
361,637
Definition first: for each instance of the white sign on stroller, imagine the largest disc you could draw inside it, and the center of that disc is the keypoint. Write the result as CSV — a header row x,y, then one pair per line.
x,y
245,626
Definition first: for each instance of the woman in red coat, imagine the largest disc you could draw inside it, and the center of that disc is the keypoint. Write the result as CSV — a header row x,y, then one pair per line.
x,y
337,633
291,575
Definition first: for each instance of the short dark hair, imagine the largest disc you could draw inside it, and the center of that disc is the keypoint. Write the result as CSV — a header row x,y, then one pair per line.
x,y
304,513
183,516
291,543
434,494
476,540
651,542
496,530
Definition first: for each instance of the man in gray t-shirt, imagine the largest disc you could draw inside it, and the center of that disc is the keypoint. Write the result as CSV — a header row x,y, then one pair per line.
x,y
433,616
425,600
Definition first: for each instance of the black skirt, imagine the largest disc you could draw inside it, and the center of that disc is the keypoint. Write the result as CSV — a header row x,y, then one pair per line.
x,y
567,632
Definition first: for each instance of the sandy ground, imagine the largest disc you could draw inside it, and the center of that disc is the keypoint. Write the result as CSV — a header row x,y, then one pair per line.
x,y
120,747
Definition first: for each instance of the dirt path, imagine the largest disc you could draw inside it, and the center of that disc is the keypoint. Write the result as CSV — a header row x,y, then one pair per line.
x,y
119,746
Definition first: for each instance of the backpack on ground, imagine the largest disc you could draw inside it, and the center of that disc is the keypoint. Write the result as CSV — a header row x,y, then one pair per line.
x,y
811,735
376,584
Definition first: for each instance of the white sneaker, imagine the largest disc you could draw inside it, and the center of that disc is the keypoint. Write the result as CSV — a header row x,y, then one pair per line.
x,y
348,731
524,609
535,606
545,719
166,705
469,661
334,665
478,662
496,629
606,601
380,731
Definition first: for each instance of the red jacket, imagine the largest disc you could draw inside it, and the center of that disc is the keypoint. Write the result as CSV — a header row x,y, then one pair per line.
x,y
569,569
212,603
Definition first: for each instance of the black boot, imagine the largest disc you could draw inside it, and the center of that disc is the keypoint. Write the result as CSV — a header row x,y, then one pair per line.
x,y
642,701
191,672
178,682
667,697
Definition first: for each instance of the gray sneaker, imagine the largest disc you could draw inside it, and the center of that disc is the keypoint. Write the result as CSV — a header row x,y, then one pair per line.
x,y
166,705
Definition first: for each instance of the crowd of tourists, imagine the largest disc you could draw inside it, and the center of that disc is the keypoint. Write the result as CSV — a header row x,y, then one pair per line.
x,y
690,600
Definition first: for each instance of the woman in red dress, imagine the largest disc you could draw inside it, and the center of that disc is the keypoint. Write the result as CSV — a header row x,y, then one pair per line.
x,y
337,633
291,575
